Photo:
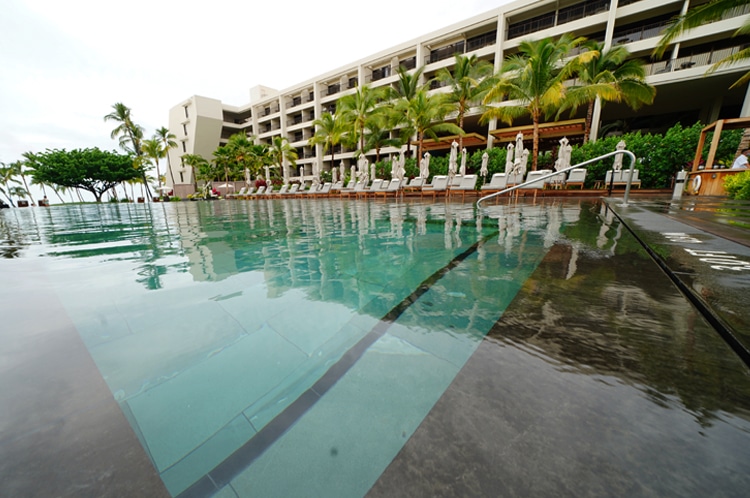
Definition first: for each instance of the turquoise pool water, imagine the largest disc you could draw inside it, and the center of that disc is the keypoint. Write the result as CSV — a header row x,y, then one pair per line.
x,y
294,347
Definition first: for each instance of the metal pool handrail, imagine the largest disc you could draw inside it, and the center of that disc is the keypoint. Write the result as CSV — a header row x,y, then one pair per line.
x,y
599,158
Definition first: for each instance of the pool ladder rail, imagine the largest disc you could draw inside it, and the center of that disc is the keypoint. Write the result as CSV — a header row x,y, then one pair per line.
x,y
565,170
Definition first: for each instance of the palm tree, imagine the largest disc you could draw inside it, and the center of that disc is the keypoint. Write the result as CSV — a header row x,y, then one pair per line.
x,y
610,77
7,176
17,167
168,142
281,150
198,165
154,151
534,78
405,90
329,132
358,107
427,113
129,133
381,125
714,10
468,82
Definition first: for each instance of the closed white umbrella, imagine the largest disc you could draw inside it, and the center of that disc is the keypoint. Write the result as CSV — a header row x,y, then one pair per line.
x,y
453,160
462,171
342,167
424,169
485,160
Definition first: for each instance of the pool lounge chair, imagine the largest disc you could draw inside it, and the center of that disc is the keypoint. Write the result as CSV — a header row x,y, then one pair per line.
x,y
336,188
439,185
499,181
258,193
358,187
374,187
392,187
283,190
238,195
468,185
413,186
514,179
292,190
576,177
538,184
324,191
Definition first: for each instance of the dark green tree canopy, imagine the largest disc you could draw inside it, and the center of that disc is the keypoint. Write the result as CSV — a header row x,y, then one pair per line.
x,y
93,170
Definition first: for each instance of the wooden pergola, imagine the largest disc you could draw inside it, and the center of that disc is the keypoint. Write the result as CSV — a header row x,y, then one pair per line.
x,y
569,128
717,127
469,139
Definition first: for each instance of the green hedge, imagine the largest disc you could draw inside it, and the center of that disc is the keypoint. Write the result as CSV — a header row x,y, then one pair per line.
x,y
738,186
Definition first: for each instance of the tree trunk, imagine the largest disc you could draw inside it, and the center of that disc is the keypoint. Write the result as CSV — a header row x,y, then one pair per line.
x,y
587,124
535,146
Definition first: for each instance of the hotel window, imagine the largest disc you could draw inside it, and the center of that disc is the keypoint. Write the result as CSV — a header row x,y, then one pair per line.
x,y
184,129
184,146
186,111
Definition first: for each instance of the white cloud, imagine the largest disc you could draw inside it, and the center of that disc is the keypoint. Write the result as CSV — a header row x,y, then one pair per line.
x,y
65,63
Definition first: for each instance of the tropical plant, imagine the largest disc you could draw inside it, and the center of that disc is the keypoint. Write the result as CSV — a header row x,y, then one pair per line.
x,y
202,169
168,142
153,150
468,81
88,169
404,90
279,151
130,135
18,168
711,11
359,110
329,132
738,185
381,125
534,78
7,176
427,112
610,77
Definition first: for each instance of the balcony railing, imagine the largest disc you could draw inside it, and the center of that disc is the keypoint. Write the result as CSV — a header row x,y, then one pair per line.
x,y
693,60
446,52
551,19
481,41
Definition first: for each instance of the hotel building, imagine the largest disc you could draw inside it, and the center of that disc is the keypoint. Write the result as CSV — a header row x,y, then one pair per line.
x,y
685,92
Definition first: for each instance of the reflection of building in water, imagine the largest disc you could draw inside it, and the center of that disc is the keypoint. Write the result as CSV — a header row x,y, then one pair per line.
x,y
298,243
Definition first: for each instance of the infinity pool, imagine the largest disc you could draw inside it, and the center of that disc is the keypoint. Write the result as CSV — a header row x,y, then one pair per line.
x,y
345,348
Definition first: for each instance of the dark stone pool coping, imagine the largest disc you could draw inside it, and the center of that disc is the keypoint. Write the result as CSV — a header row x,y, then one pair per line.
x,y
703,255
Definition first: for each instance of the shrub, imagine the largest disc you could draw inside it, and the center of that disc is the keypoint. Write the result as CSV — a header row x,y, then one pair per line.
x,y
738,185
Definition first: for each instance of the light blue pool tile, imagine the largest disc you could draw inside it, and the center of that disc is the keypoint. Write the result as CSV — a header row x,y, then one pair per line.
x,y
179,415
225,492
311,324
305,376
345,441
207,456
160,348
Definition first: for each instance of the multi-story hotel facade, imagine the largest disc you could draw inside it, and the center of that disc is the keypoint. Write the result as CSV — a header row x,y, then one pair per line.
x,y
686,93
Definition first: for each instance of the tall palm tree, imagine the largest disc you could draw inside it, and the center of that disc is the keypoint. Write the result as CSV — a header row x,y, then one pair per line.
x,y
711,11
468,81
358,107
329,132
281,150
405,89
198,165
168,142
610,77
153,150
130,135
427,112
17,167
534,78
381,126
8,176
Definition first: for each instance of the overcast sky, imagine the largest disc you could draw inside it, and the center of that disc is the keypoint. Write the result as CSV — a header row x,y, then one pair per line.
x,y
63,63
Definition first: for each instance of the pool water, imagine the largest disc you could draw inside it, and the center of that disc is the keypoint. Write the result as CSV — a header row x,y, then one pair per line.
x,y
340,348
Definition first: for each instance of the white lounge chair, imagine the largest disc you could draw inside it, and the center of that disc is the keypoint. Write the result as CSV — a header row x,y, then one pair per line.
x,y
258,193
576,177
392,187
499,181
532,176
468,185
439,185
